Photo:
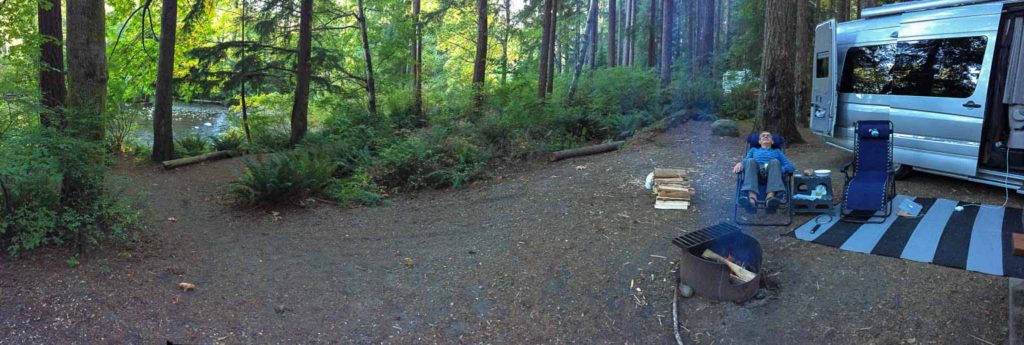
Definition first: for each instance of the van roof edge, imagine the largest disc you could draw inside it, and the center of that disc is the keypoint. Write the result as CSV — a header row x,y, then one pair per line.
x,y
903,7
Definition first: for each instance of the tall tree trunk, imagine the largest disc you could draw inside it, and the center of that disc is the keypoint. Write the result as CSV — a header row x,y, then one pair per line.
x,y
592,52
545,48
417,67
163,134
51,66
552,51
666,42
300,108
480,61
776,99
87,68
652,44
803,62
703,43
87,93
631,57
504,41
843,10
371,89
612,32
245,77
589,40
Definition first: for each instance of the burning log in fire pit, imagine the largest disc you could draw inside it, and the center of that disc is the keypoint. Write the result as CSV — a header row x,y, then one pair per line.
x,y
734,277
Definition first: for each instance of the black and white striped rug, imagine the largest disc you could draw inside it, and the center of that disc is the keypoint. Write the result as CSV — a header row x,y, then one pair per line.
x,y
976,239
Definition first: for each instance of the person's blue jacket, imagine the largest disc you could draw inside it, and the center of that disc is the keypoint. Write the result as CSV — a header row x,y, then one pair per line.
x,y
763,156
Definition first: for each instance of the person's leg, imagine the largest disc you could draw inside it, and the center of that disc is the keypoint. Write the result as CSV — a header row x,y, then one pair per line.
x,y
750,170
775,183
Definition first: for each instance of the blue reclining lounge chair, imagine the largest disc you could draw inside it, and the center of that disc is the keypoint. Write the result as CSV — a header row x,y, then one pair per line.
x,y
869,191
784,196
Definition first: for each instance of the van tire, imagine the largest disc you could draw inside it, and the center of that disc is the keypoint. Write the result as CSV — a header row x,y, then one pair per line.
x,y
902,171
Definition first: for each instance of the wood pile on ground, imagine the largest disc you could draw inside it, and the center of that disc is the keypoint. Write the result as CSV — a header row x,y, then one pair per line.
x,y
672,188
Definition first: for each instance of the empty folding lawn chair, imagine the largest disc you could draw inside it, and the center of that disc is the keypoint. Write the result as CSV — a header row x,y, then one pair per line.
x,y
870,189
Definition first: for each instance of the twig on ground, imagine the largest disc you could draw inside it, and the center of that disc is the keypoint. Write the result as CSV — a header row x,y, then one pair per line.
x,y
982,340
658,256
675,310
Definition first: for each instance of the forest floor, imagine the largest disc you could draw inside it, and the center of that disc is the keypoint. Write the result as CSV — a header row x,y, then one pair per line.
x,y
539,254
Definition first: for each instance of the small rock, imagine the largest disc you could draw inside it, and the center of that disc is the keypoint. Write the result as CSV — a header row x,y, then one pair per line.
x,y
686,291
911,340
761,294
187,286
725,128
281,309
408,262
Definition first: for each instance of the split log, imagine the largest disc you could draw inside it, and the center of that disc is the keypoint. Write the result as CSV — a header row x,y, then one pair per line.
x,y
741,273
670,180
177,163
1018,244
665,172
584,151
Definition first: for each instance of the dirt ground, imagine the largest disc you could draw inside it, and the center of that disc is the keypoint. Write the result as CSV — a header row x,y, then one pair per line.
x,y
544,254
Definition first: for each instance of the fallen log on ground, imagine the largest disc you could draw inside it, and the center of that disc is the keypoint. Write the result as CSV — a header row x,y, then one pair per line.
x,y
180,162
584,151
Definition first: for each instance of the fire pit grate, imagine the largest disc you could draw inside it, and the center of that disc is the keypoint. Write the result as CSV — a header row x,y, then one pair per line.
x,y
712,278
705,235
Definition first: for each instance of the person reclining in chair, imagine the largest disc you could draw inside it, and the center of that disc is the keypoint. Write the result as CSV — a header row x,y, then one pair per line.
x,y
770,163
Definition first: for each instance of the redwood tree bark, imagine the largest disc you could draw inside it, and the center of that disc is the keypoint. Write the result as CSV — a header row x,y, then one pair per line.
x,y
775,103
51,67
163,134
843,10
417,67
545,48
300,108
87,68
703,43
803,62
652,45
371,89
666,42
480,61
553,44
612,32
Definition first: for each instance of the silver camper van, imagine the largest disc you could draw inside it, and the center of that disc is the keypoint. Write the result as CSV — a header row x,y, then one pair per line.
x,y
949,74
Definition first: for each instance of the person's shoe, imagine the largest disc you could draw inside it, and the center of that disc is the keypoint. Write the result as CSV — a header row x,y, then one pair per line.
x,y
772,203
749,203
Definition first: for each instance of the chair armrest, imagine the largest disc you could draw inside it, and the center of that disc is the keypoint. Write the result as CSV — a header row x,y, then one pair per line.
x,y
845,169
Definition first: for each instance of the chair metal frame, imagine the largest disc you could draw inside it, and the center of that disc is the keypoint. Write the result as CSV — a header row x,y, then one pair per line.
x,y
787,180
890,188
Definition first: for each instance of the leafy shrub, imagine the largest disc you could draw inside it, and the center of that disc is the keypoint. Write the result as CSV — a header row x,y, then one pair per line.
x,y
436,158
39,166
191,145
230,140
741,103
284,177
358,190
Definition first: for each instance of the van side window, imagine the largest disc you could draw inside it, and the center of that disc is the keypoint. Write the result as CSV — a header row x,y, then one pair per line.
x,y
866,69
821,65
947,67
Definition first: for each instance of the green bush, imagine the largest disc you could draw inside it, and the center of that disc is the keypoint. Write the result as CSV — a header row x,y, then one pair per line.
x,y
39,166
284,177
358,190
741,103
230,140
191,145
439,157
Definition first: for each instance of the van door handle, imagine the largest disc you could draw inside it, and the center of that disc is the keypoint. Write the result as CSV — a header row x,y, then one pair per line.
x,y
971,104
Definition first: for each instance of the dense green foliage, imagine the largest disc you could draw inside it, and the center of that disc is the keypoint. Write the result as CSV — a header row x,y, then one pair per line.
x,y
36,163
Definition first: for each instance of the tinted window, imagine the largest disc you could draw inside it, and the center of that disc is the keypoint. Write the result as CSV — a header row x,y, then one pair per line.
x,y
821,66
939,68
866,69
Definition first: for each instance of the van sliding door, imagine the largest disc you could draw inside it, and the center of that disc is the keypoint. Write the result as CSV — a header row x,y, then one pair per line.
x,y
940,85
823,86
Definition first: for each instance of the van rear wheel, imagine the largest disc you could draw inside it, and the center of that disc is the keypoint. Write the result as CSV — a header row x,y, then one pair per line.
x,y
902,171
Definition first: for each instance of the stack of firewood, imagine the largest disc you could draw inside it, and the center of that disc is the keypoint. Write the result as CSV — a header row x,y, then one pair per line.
x,y
672,188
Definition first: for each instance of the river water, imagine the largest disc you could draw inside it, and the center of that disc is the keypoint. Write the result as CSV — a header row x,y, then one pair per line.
x,y
207,120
